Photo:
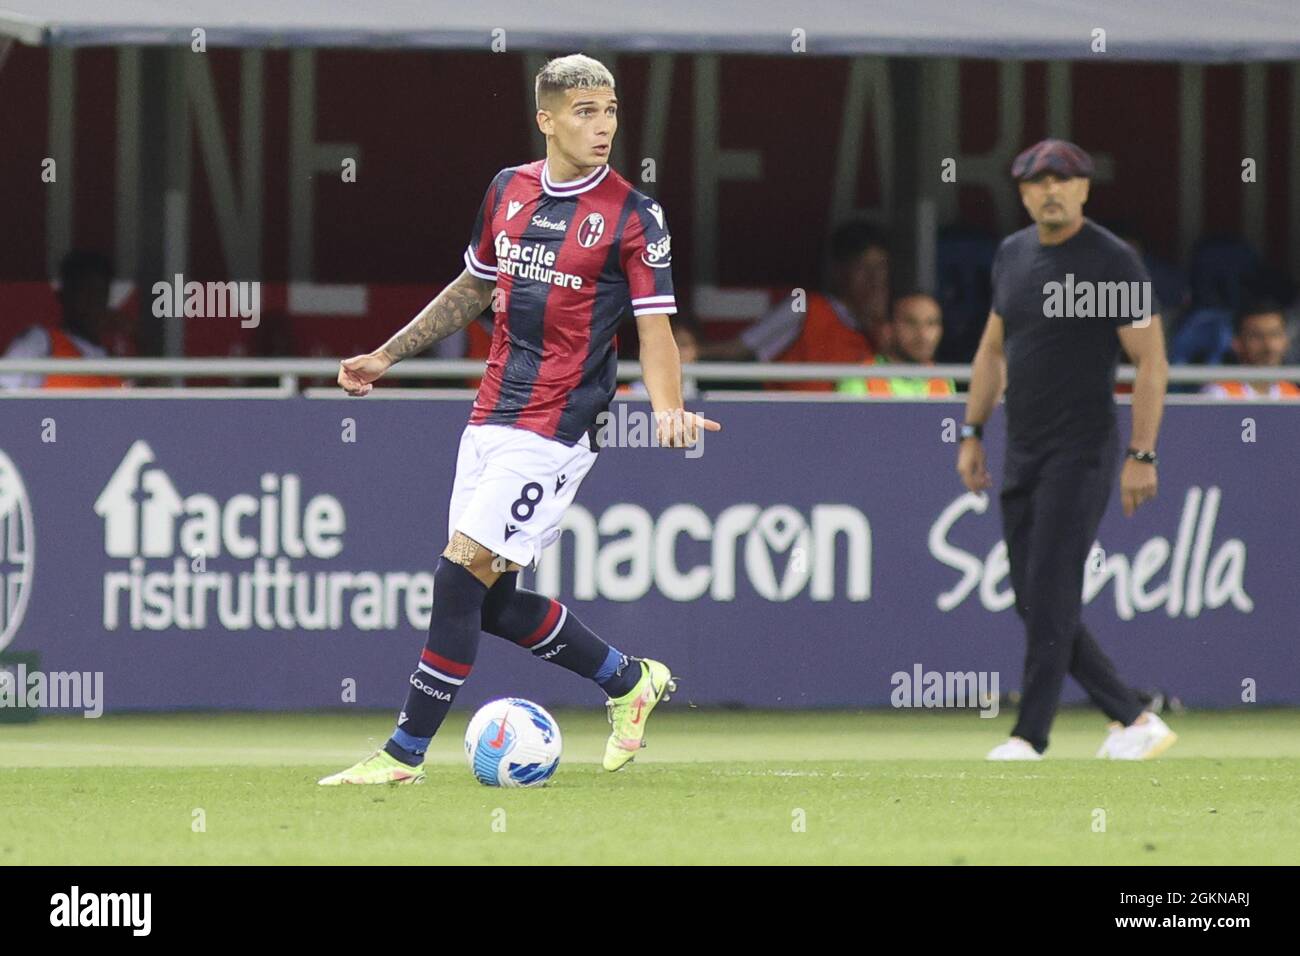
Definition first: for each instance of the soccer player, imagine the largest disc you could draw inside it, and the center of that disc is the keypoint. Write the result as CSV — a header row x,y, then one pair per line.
x,y
560,249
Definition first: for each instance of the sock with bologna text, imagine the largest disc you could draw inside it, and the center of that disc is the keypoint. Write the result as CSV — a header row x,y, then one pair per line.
x,y
445,663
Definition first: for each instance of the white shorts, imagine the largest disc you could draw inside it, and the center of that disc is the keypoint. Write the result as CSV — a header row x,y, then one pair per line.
x,y
512,488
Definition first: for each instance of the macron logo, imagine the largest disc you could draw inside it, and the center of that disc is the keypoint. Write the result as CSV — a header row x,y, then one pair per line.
x,y
513,207
657,211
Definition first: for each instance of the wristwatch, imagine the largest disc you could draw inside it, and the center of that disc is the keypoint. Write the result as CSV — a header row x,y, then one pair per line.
x,y
971,431
1146,457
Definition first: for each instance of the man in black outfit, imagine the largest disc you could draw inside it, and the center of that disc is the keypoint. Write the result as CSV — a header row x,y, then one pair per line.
x,y
1067,294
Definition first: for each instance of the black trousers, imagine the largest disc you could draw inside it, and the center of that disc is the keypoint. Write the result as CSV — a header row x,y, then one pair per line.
x,y
1052,503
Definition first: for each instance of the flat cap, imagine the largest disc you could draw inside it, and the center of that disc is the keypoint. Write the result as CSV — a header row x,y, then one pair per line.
x,y
1052,156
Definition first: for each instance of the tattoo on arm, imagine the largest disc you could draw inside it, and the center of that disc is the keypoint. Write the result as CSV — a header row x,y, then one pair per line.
x,y
454,308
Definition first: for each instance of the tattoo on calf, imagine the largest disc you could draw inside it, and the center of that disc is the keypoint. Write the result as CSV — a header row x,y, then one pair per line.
x,y
461,550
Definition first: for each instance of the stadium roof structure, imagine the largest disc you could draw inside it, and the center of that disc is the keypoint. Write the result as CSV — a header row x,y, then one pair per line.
x,y
1206,31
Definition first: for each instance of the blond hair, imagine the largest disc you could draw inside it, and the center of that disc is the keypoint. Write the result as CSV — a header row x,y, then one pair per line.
x,y
572,72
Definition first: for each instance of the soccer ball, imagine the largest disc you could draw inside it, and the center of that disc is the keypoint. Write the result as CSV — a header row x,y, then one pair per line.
x,y
512,743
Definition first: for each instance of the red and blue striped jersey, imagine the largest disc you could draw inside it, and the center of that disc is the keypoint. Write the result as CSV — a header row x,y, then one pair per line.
x,y
568,260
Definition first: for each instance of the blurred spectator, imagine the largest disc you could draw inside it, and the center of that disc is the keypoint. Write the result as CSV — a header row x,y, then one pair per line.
x,y
1224,273
1203,338
963,270
1259,339
86,326
916,326
845,323
1221,270
1167,281
1205,335
686,334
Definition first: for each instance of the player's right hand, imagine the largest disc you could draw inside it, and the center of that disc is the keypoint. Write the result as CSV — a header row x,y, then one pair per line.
x,y
678,428
357,374
972,466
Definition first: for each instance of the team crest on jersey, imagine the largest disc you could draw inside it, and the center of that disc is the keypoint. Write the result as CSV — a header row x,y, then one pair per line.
x,y
592,228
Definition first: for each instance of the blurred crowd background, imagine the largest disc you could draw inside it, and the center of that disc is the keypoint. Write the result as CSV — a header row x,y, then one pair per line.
x,y
824,208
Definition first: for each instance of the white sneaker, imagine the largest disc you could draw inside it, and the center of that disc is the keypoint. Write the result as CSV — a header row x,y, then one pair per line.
x,y
1014,749
1107,746
1142,741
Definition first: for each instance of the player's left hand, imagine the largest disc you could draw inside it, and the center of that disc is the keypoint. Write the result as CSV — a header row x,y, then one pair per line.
x,y
1137,484
678,428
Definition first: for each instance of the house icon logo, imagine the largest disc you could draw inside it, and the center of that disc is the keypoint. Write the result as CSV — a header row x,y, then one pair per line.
x,y
140,507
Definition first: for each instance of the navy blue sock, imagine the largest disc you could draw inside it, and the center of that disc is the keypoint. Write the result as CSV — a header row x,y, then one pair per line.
x,y
445,663
553,633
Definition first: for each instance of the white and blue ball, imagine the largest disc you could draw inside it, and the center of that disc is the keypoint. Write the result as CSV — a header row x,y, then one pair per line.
x,y
513,743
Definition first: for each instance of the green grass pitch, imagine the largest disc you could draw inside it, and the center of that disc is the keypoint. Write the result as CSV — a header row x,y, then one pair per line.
x,y
712,787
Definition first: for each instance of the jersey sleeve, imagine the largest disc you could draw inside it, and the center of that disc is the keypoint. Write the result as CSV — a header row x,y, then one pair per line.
x,y
480,254
1128,267
996,285
647,260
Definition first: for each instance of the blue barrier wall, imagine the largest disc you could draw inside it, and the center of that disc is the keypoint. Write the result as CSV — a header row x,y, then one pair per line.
x,y
244,554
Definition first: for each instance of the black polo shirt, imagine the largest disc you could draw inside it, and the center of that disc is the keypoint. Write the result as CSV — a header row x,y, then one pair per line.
x,y
1061,306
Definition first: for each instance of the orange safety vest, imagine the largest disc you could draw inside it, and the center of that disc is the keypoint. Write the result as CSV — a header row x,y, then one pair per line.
x,y
823,338
1239,390
62,346
934,386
